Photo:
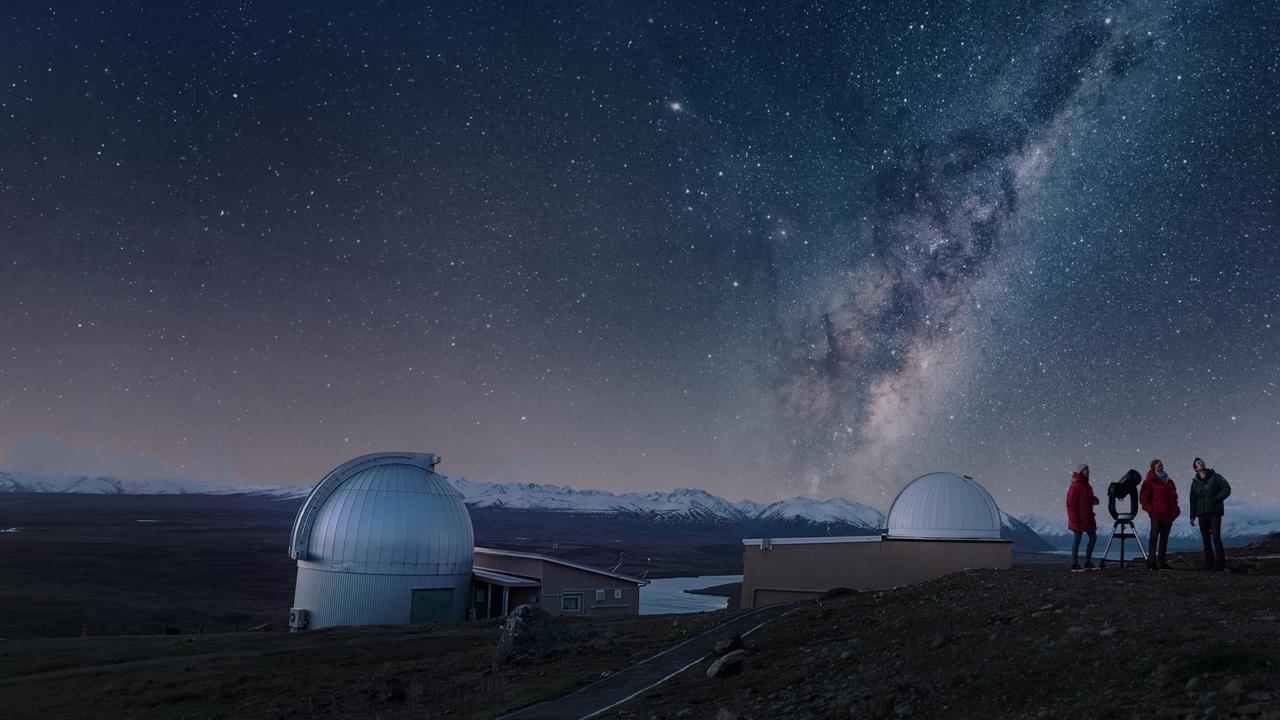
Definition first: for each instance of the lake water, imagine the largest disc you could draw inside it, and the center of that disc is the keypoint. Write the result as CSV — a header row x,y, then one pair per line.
x,y
667,595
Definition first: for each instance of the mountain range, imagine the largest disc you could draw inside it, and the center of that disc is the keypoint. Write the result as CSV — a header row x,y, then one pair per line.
x,y
1241,524
797,515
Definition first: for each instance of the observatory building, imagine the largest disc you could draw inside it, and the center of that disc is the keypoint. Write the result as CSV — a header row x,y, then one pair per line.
x,y
382,539
939,523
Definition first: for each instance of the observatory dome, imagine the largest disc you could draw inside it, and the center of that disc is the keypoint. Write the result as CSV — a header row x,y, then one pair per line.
x,y
944,506
382,539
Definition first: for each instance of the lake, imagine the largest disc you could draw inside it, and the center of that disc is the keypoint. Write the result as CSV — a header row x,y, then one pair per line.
x,y
667,595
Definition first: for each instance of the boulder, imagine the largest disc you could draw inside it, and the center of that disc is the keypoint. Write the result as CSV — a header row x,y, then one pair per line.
x,y
729,644
727,664
530,633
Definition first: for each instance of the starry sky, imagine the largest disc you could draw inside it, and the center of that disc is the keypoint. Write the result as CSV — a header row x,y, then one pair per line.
x,y
761,249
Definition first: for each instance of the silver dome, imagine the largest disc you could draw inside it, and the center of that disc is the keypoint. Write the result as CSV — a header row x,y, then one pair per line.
x,y
387,513
944,505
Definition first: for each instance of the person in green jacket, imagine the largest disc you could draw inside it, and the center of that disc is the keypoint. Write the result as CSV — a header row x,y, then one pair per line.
x,y
1208,490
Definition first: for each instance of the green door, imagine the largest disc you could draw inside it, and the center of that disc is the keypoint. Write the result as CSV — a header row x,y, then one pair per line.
x,y
429,605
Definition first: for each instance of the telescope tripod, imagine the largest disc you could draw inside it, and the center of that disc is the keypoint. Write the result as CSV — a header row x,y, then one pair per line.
x,y
1124,530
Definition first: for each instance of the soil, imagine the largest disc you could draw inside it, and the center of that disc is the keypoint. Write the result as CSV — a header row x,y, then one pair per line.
x,y
1023,643
374,672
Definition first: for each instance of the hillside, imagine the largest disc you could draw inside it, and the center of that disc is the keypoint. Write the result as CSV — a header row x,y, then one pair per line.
x,y
1024,643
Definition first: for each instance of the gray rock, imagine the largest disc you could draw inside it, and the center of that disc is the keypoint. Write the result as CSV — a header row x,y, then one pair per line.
x,y
1233,687
1206,698
729,644
1107,632
903,711
726,714
727,664
530,633
1193,684
846,655
1161,673
1260,696
684,712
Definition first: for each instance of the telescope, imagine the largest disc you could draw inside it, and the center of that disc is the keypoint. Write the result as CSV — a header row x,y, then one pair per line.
x,y
1125,488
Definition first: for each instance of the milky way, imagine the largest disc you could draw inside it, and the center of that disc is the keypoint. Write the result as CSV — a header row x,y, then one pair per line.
x,y
942,214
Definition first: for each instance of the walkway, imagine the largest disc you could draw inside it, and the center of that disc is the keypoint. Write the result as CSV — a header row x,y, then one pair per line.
x,y
626,684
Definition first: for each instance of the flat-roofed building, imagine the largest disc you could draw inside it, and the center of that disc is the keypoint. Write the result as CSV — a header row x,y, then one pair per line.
x,y
940,523
504,579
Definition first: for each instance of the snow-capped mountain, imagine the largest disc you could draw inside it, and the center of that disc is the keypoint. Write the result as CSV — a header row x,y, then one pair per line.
x,y
835,515
103,485
1240,522
835,510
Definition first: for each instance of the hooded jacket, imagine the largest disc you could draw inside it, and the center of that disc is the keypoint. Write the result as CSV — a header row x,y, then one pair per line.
x,y
1080,502
1208,493
1159,498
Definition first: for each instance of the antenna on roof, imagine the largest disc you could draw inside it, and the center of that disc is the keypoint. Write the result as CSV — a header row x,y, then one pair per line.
x,y
618,567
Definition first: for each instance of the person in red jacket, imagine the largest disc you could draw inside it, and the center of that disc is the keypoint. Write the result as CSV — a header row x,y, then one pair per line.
x,y
1080,518
1159,498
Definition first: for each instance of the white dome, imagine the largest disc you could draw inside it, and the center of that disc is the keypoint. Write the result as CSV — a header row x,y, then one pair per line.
x,y
388,513
944,505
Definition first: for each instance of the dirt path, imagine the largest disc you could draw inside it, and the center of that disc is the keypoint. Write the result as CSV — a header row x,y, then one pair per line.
x,y
624,685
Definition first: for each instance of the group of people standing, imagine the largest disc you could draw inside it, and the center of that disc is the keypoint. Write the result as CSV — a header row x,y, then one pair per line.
x,y
1159,499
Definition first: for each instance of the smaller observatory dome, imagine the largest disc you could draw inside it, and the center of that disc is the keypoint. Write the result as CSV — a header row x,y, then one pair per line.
x,y
944,505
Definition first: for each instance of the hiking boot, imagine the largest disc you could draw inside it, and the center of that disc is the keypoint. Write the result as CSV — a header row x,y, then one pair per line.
x,y
1166,566
1151,565
1076,568
1090,566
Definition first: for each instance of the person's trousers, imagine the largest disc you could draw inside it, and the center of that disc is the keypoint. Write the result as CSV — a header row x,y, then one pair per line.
x,y
1088,553
1158,541
1215,558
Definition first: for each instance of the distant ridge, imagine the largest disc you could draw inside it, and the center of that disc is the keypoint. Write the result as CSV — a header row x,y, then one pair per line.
x,y
796,515
1241,523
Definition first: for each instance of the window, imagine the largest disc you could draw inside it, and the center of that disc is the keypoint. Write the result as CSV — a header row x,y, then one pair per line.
x,y
617,594
599,596
571,602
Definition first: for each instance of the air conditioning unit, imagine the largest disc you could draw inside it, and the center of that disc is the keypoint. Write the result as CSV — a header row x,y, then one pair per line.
x,y
298,618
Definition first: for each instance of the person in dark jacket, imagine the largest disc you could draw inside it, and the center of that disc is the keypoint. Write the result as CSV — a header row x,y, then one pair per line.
x,y
1208,491
1080,518
1159,498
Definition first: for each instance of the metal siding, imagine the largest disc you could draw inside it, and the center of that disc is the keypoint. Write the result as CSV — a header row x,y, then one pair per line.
x,y
341,598
944,505
393,519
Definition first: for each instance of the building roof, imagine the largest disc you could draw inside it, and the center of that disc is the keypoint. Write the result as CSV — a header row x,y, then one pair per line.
x,y
386,513
565,563
944,506
493,577
760,542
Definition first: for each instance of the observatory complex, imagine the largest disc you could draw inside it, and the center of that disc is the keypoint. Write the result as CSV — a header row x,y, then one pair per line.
x,y
939,523
383,539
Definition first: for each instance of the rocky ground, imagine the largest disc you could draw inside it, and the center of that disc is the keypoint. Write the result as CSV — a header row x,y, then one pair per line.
x,y
1025,643
362,673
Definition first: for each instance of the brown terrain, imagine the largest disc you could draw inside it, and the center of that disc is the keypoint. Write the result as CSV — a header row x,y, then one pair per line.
x,y
1025,643
1035,642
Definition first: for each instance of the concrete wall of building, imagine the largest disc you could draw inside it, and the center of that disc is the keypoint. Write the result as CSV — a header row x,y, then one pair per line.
x,y
619,596
789,572
558,580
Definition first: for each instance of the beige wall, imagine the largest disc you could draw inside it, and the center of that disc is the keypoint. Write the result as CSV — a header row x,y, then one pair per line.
x,y
790,572
559,579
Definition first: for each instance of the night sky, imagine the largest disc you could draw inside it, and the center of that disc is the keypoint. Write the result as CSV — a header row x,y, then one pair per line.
x,y
766,250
